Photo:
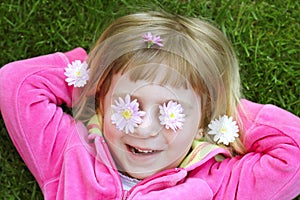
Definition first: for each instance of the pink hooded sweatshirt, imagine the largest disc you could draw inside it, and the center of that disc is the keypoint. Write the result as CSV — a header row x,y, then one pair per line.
x,y
67,165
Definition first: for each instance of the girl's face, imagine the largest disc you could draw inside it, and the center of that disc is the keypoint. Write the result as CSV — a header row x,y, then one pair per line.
x,y
151,148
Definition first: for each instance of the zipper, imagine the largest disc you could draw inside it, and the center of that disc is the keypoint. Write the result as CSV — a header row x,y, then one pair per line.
x,y
134,189
125,195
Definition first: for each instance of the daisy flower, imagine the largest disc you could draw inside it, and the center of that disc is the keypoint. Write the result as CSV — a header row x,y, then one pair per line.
x,y
151,40
77,73
126,114
224,129
171,115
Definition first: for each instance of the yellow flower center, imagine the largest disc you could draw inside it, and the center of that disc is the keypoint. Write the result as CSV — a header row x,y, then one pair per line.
x,y
223,130
127,114
77,73
172,115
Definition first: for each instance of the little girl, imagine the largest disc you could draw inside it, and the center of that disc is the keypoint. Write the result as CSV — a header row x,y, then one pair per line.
x,y
156,114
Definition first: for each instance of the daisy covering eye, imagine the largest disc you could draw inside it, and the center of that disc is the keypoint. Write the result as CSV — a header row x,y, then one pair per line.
x,y
171,115
127,115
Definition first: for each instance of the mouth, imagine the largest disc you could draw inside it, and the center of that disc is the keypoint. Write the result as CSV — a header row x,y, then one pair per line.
x,y
139,151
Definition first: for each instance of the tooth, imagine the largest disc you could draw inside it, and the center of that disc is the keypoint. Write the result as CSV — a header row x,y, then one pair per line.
x,y
132,150
144,151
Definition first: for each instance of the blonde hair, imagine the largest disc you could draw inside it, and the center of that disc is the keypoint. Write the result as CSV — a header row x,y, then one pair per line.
x,y
194,48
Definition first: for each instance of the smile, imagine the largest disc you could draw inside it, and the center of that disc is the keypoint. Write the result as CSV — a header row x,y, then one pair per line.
x,y
136,150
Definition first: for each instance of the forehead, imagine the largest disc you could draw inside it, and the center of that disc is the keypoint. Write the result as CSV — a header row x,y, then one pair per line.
x,y
158,73
154,91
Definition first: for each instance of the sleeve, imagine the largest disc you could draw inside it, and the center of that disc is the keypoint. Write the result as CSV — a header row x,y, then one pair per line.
x,y
271,167
31,93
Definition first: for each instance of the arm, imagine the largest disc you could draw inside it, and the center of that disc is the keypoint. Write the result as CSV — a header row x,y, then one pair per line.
x,y
31,92
271,167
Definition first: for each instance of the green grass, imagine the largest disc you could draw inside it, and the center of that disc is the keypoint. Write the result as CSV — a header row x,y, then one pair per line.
x,y
265,35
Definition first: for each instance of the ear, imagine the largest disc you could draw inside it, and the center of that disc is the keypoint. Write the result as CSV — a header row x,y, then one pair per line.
x,y
199,134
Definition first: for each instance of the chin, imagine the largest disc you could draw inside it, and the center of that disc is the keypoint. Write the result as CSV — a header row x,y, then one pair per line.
x,y
141,175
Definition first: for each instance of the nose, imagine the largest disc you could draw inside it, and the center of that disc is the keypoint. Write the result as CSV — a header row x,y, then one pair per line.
x,y
150,127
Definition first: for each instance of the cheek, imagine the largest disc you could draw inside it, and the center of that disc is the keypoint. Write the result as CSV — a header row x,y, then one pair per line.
x,y
182,137
107,125
187,134
110,132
